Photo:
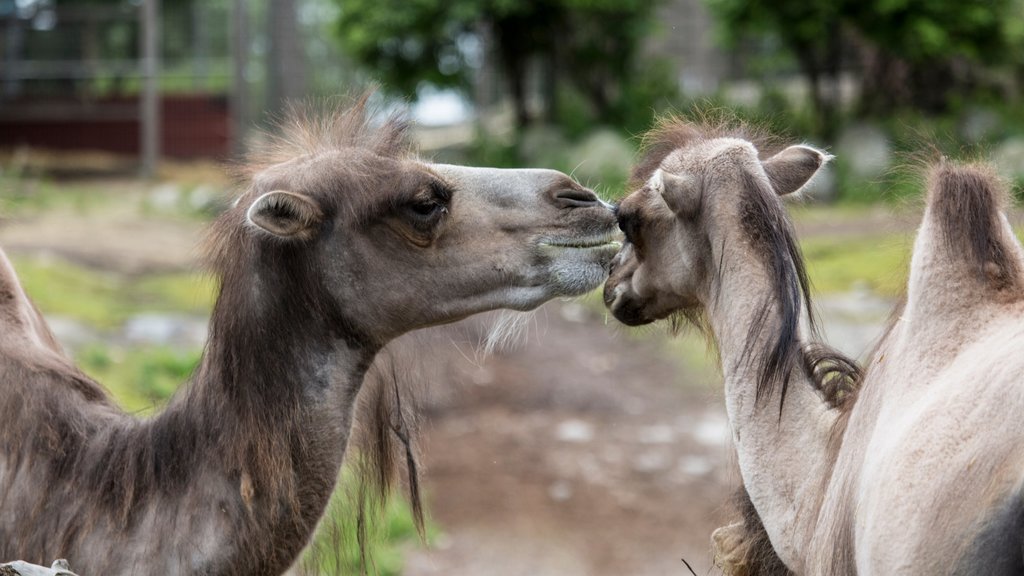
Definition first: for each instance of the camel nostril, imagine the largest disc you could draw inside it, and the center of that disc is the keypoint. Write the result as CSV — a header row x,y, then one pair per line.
x,y
576,198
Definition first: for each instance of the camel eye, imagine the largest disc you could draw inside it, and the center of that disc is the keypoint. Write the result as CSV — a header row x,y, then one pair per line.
x,y
426,209
425,215
630,226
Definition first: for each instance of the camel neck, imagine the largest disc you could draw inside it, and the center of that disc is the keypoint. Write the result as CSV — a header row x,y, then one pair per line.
x,y
273,401
782,454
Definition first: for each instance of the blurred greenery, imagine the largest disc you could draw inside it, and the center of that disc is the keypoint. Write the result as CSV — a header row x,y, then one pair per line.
x,y
106,300
335,549
587,46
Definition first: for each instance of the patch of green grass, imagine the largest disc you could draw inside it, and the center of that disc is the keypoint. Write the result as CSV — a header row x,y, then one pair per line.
x,y
335,548
139,378
105,300
64,289
841,264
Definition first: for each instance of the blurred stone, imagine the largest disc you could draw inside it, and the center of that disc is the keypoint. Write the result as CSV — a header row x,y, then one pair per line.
x,y
72,334
576,431
657,434
652,461
165,197
980,124
865,150
1009,158
712,430
560,491
573,312
695,465
205,198
156,328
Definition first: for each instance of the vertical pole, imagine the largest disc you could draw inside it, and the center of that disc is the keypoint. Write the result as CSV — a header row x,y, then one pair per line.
x,y
200,45
286,57
150,120
12,55
240,86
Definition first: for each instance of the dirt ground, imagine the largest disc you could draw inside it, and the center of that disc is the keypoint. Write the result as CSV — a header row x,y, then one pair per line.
x,y
586,451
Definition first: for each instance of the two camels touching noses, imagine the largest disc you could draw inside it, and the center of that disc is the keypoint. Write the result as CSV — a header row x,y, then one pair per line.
x,y
913,466
342,241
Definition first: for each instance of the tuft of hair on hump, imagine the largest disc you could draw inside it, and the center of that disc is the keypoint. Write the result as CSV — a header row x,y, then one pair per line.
x,y
673,132
326,125
967,202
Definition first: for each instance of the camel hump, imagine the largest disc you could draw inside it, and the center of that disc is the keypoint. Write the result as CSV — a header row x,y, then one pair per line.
x,y
19,317
966,203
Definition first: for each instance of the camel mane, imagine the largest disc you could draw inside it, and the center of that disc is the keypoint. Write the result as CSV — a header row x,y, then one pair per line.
x,y
673,132
332,124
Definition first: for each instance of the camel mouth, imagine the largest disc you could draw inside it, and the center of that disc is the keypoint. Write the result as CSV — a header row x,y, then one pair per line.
x,y
607,241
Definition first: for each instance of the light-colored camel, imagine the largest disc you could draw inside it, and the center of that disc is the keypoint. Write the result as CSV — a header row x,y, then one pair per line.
x,y
920,471
929,476
342,241
707,239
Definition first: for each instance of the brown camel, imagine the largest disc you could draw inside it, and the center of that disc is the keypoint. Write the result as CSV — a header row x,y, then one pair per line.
x,y
708,240
342,241
914,468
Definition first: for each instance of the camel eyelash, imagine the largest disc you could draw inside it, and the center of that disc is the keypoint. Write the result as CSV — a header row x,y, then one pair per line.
x,y
441,191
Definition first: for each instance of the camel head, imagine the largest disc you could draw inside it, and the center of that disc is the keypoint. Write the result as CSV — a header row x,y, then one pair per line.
x,y
695,191
398,243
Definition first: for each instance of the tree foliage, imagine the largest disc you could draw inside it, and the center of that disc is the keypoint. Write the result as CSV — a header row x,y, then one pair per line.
x,y
918,53
589,44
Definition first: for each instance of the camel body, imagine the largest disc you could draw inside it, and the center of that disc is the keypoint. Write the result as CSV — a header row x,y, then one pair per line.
x,y
930,475
915,466
341,241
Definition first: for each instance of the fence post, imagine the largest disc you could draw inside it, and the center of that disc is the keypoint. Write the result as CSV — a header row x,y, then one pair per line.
x,y
150,117
240,83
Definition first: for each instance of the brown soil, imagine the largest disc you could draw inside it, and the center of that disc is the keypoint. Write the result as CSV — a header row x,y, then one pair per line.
x,y
587,451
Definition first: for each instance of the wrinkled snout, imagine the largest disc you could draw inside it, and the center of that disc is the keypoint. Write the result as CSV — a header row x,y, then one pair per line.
x,y
619,297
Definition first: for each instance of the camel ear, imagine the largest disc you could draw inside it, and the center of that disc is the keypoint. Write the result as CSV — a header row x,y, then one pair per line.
x,y
680,192
789,170
285,215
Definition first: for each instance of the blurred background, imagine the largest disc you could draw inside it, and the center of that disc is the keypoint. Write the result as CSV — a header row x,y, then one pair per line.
x,y
587,448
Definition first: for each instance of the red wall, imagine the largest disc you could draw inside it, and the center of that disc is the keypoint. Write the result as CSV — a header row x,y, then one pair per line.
x,y
192,126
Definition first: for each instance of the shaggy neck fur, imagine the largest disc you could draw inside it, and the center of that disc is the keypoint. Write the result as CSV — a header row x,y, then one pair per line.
x,y
782,443
231,477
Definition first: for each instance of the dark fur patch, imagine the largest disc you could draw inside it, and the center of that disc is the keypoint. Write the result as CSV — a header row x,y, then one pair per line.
x,y
769,231
760,558
998,549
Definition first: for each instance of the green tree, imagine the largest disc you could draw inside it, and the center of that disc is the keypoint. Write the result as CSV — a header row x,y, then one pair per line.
x,y
922,53
591,44
807,29
919,53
